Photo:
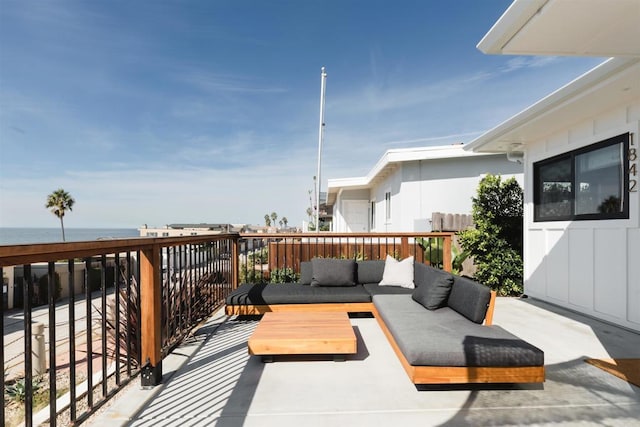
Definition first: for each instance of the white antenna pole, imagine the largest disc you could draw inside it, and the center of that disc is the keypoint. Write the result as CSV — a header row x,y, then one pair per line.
x,y
323,79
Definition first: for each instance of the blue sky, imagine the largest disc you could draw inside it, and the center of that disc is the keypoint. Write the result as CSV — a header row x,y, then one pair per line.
x,y
160,112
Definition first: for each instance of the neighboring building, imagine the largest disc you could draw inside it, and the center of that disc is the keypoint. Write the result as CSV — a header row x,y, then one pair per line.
x,y
176,230
407,186
580,150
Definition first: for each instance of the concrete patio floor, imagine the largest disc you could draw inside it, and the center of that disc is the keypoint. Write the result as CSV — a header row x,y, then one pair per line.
x,y
211,380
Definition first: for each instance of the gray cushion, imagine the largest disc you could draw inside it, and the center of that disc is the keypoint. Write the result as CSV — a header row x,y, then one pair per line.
x,y
444,338
294,293
370,271
306,273
469,298
423,273
333,272
434,294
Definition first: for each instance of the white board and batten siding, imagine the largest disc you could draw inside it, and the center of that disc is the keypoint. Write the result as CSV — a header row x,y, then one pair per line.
x,y
588,266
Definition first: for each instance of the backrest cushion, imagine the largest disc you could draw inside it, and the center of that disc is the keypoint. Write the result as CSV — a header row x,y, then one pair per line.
x,y
424,274
333,272
435,293
306,273
370,271
398,273
469,298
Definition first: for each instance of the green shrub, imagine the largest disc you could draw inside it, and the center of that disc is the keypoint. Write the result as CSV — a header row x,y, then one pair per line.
x,y
496,241
95,278
284,275
18,390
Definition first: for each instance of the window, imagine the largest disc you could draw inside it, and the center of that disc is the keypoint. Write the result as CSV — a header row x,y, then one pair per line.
x,y
584,184
387,204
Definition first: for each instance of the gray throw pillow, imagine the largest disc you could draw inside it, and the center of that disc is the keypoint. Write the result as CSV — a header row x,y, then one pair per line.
x,y
434,294
333,272
306,273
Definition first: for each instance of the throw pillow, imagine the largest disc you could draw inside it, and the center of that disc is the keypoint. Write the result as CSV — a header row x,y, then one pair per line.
x,y
306,273
398,273
434,295
333,272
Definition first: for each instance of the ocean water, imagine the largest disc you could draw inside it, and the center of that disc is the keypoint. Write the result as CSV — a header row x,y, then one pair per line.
x,y
17,236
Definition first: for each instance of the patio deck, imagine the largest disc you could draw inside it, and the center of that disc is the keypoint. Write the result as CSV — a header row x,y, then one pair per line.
x,y
211,380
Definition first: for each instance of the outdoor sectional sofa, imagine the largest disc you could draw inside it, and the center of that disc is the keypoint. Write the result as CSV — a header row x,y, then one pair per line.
x,y
441,331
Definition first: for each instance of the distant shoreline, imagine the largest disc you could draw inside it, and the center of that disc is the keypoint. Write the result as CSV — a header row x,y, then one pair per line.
x,y
32,235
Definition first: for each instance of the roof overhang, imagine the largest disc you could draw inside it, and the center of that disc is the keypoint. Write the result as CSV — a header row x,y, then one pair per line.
x,y
390,161
611,84
562,27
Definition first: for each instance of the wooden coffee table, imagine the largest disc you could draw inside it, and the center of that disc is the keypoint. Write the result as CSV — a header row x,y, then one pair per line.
x,y
286,333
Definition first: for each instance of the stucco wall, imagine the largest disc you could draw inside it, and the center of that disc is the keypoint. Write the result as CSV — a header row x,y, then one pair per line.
x,y
419,188
588,266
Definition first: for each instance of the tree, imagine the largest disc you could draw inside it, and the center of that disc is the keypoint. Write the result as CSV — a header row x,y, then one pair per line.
x,y
496,241
285,221
267,220
59,202
274,217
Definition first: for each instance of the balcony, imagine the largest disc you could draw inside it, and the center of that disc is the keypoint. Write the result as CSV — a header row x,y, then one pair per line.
x,y
194,359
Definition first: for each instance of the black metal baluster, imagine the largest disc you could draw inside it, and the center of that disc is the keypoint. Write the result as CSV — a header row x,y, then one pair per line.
x,y
89,333
138,313
72,340
177,286
128,317
103,326
28,350
116,293
166,300
52,343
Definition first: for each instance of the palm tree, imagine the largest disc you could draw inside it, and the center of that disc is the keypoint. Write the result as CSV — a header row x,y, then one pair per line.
x,y
274,216
59,202
267,220
285,221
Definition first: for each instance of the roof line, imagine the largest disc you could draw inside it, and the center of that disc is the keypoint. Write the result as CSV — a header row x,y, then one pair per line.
x,y
571,90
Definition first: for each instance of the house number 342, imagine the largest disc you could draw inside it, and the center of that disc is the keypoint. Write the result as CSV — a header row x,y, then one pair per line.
x,y
633,169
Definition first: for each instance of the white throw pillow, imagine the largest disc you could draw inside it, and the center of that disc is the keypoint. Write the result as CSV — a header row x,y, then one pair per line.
x,y
398,273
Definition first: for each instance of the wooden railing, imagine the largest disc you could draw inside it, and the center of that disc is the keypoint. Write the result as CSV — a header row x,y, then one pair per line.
x,y
159,289
262,255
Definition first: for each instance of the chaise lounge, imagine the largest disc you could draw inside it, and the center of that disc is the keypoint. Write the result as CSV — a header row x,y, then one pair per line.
x,y
438,324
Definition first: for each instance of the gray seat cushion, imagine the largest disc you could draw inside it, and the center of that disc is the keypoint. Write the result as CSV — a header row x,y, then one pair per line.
x,y
469,298
444,338
294,293
375,289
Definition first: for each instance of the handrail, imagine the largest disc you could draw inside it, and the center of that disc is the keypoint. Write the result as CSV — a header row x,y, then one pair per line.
x,y
45,252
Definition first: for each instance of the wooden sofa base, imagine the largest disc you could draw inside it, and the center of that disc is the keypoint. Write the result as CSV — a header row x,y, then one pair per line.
x,y
250,310
417,374
463,375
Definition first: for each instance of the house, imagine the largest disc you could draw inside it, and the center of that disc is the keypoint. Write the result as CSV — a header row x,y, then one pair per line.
x,y
580,152
407,186
174,230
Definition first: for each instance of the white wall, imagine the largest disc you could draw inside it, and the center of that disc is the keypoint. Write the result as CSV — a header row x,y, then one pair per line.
x,y
588,266
419,188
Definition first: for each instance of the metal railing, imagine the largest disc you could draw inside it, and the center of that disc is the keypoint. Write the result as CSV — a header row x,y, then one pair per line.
x,y
138,299
276,257
130,301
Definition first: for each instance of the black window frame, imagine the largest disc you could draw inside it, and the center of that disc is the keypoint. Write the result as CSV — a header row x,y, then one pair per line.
x,y
624,214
